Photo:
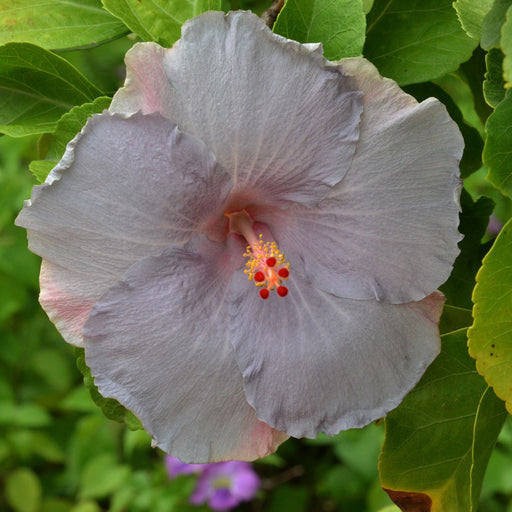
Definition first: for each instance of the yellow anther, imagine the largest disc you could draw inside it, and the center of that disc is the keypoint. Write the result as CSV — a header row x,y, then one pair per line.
x,y
266,258
266,265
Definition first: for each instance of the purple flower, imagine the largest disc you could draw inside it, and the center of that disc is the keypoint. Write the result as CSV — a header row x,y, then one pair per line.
x,y
249,243
224,485
175,467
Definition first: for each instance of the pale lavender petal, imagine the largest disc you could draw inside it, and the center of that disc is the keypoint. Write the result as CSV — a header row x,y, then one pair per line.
x,y
277,116
388,230
146,88
158,342
126,189
68,297
321,363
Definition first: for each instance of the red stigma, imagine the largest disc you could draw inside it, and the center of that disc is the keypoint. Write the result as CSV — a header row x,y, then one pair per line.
x,y
271,262
264,293
283,272
282,291
259,277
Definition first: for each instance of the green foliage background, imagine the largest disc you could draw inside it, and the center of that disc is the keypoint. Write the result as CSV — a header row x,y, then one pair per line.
x,y
448,446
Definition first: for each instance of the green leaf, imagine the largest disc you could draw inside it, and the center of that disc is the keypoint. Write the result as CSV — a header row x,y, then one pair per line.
x,y
102,476
25,415
158,20
36,88
256,6
490,337
454,318
493,21
91,437
367,6
494,85
498,477
471,14
110,407
338,24
53,367
56,505
67,128
506,45
23,490
70,124
473,73
27,443
288,498
462,94
66,24
415,41
41,168
474,220
497,155
439,440
358,449
86,506
79,400
12,302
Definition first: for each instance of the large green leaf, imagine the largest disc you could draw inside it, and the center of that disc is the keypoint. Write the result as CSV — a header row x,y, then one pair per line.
x,y
471,14
57,24
439,440
338,24
415,41
158,20
36,88
498,146
490,337
506,46
493,21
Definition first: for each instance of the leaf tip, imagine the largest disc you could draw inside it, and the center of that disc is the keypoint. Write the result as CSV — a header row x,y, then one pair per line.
x,y
411,501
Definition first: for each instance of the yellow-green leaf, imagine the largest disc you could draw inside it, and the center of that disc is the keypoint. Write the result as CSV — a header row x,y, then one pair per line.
x,y
490,337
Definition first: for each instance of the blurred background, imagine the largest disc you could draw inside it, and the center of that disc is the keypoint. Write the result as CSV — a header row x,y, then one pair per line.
x,y
59,453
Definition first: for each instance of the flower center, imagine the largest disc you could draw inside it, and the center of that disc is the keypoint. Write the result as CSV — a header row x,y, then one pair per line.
x,y
266,265
222,482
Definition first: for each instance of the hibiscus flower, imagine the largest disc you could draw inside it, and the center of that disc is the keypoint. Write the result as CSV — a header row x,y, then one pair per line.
x,y
249,242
